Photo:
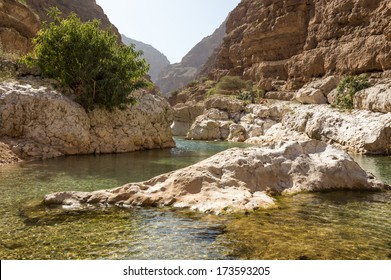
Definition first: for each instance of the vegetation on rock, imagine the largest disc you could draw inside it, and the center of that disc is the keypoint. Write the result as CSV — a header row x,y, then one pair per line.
x,y
89,60
347,88
236,86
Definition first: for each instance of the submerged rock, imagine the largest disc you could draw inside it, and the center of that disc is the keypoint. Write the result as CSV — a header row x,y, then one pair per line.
x,y
238,180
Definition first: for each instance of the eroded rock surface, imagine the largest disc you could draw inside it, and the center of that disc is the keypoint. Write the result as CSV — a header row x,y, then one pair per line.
x,y
376,98
238,180
184,116
317,91
18,25
37,121
295,41
359,131
7,156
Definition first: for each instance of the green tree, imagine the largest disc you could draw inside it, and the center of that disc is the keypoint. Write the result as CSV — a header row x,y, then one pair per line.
x,y
102,72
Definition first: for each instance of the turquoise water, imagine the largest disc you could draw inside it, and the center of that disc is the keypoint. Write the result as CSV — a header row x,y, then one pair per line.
x,y
340,225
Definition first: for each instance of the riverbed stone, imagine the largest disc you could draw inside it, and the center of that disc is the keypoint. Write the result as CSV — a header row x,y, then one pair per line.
x,y
238,180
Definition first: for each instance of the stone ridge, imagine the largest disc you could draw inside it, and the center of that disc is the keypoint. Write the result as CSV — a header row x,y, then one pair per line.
x,y
178,75
298,40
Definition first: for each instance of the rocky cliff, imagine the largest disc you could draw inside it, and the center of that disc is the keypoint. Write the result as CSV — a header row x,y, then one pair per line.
x,y
269,40
37,121
155,58
86,10
18,25
179,74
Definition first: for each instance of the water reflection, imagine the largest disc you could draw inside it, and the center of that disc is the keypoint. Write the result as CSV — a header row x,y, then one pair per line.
x,y
380,166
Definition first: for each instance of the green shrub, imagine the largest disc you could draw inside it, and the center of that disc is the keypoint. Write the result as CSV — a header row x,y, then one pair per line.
x,y
89,60
347,88
192,83
253,95
247,96
229,85
232,83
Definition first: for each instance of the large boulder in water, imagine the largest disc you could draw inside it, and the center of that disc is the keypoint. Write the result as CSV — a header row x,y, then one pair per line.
x,y
239,180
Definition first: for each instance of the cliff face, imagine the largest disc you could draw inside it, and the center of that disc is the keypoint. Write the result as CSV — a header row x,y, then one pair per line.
x,y
179,74
155,58
86,10
18,25
301,39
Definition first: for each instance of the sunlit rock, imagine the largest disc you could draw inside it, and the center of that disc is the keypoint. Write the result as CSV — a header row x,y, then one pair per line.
x,y
239,180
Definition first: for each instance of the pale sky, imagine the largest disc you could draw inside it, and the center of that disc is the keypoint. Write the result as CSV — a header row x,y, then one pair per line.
x,y
171,26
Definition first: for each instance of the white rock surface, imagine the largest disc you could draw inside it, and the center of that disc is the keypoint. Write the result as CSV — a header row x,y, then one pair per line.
x,y
40,122
317,91
184,116
376,98
357,131
239,180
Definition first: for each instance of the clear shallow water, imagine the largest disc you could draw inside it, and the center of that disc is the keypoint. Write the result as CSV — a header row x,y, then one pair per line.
x,y
341,225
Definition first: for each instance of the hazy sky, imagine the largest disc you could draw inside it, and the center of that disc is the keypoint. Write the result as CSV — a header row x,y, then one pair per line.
x,y
171,26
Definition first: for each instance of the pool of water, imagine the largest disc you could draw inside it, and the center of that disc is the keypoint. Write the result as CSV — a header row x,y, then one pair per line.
x,y
340,225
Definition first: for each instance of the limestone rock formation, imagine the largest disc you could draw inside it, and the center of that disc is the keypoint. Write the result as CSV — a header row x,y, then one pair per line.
x,y
217,119
18,25
37,121
376,98
184,116
213,125
178,75
296,41
316,92
155,58
86,10
357,131
238,180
